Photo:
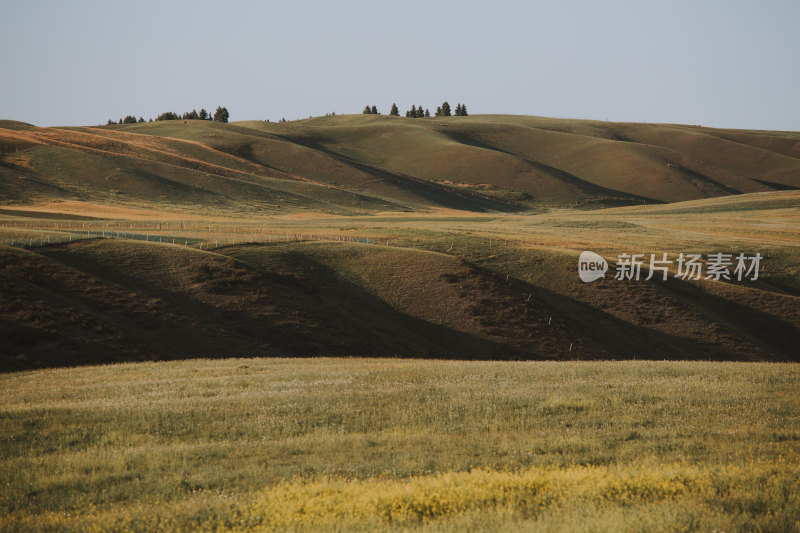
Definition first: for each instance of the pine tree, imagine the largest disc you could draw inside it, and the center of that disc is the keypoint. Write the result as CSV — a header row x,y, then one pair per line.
x,y
458,110
427,112
367,111
374,110
413,112
445,109
141,119
464,110
420,112
203,114
221,115
439,111
394,112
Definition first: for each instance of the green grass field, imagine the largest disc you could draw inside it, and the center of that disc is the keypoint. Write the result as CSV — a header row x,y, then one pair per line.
x,y
369,444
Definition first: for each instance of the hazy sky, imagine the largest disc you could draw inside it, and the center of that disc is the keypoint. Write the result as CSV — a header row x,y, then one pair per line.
x,y
716,63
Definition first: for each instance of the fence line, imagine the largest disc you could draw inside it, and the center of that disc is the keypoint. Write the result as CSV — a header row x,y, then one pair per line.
x,y
226,236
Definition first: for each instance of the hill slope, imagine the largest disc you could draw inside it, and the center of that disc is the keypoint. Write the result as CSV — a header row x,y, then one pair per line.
x,y
102,300
365,163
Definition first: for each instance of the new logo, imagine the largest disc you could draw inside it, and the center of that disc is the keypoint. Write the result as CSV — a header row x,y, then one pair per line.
x,y
591,266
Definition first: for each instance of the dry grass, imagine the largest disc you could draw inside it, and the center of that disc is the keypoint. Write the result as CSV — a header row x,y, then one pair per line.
x,y
444,283
332,444
358,164
344,236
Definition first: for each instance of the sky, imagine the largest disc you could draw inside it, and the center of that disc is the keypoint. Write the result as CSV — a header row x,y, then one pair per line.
x,y
731,64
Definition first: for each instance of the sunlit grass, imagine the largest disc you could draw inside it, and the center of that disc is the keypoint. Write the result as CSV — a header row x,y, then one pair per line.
x,y
381,444
723,498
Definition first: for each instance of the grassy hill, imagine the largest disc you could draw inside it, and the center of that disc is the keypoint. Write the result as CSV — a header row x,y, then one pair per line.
x,y
426,285
407,242
448,237
365,163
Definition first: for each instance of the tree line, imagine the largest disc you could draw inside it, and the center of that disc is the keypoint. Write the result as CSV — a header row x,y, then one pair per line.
x,y
220,115
443,110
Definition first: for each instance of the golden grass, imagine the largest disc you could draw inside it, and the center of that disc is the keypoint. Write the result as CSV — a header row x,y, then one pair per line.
x,y
530,499
97,210
370,164
394,445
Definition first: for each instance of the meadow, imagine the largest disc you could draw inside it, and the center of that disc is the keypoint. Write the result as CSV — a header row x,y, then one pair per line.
x,y
371,323
390,444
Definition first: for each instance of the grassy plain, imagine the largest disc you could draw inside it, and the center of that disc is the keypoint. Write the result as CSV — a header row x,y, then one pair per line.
x,y
390,444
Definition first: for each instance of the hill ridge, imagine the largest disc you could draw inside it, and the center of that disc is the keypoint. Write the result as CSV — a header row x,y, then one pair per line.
x,y
349,164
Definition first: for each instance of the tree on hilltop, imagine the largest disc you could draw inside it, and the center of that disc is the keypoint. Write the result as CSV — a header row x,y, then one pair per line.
x,y
394,112
221,115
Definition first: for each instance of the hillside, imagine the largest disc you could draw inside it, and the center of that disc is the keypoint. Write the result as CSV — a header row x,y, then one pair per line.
x,y
83,290
365,164
383,236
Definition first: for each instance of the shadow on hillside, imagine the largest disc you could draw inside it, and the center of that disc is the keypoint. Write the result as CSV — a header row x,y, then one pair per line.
x,y
596,334
588,188
88,313
64,306
614,338
431,192
771,333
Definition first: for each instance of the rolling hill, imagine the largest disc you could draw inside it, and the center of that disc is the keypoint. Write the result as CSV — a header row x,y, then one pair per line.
x,y
103,301
338,314
440,286
383,236
364,164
